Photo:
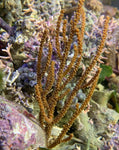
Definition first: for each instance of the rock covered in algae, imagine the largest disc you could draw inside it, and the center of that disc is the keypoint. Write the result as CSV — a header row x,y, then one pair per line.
x,y
93,127
10,10
84,130
18,128
114,83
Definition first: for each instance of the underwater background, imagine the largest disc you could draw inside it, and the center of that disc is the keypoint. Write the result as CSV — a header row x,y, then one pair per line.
x,y
36,39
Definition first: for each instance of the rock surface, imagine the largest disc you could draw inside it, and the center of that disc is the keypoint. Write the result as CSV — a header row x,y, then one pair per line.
x,y
18,128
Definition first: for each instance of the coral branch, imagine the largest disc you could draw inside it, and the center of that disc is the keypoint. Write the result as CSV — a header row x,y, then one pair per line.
x,y
55,86
6,27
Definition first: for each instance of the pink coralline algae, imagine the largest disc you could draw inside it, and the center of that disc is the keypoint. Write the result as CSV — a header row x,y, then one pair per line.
x,y
18,128
113,143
